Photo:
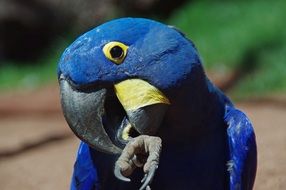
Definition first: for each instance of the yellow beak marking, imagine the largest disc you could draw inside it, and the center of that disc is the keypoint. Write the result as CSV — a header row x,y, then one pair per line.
x,y
136,93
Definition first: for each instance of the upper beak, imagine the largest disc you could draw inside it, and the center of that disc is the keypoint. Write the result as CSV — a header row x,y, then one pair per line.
x,y
85,110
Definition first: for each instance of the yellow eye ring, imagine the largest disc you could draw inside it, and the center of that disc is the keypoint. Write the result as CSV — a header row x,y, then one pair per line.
x,y
115,51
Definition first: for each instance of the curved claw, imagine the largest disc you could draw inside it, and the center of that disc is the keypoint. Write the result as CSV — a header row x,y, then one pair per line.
x,y
118,174
134,156
144,178
148,177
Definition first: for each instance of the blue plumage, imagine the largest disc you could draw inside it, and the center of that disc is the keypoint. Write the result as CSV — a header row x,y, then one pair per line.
x,y
207,143
85,174
242,149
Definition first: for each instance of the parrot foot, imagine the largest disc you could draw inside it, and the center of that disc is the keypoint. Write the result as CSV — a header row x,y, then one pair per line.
x,y
142,151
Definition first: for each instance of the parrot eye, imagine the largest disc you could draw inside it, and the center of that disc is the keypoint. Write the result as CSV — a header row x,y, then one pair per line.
x,y
115,51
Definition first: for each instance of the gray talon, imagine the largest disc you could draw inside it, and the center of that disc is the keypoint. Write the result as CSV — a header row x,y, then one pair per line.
x,y
118,174
148,178
144,178
141,152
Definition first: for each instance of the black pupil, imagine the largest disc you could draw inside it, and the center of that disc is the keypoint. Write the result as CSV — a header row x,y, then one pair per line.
x,y
116,52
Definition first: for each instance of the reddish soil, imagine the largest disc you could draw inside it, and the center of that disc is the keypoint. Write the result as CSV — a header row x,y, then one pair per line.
x,y
37,149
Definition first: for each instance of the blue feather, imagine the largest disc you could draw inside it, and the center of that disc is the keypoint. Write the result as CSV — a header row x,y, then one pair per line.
x,y
242,150
85,174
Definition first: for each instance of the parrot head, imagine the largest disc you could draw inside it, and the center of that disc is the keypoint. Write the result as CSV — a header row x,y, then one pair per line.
x,y
118,80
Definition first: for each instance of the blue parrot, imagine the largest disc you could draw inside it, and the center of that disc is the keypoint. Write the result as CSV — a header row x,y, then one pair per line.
x,y
134,76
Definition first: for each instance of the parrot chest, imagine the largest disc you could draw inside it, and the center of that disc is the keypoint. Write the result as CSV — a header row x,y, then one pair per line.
x,y
198,165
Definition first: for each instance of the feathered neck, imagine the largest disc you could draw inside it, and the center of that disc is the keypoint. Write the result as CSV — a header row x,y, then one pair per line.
x,y
197,107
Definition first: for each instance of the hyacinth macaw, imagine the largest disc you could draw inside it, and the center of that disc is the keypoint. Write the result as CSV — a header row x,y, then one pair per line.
x,y
131,77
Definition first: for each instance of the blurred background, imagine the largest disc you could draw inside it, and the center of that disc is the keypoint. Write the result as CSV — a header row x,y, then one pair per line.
x,y
242,44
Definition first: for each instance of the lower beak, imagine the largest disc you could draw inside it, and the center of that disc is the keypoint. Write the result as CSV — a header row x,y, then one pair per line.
x,y
144,104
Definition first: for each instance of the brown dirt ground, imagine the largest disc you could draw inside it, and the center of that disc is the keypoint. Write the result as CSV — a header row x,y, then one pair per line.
x,y
37,149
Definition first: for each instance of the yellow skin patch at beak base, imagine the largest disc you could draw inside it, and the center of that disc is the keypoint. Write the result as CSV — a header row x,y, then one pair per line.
x,y
136,93
125,133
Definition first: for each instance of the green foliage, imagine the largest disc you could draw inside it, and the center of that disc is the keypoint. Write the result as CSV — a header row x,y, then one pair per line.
x,y
234,34
229,35
269,79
